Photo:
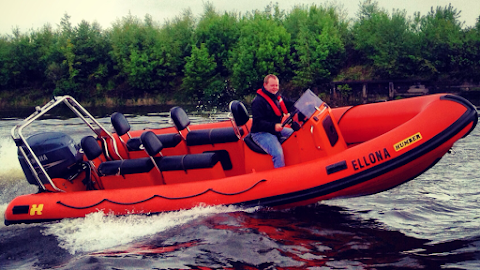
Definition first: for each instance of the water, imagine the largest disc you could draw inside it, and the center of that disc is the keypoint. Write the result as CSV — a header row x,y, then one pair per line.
x,y
431,222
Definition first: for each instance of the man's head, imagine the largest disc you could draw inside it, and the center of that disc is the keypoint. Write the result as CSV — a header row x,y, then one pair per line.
x,y
271,83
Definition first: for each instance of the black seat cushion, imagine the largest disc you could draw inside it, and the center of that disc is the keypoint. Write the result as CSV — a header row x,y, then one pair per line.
x,y
211,136
253,145
120,123
151,143
168,140
90,147
134,144
128,166
239,112
180,118
224,158
187,162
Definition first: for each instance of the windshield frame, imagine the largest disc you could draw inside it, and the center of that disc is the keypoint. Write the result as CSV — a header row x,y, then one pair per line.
x,y
308,103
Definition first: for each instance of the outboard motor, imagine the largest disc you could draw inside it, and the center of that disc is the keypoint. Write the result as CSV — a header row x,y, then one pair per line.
x,y
57,152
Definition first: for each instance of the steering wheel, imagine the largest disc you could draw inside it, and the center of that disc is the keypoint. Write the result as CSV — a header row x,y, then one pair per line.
x,y
293,123
289,119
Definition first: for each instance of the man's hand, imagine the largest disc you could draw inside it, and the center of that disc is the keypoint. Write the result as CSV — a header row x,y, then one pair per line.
x,y
285,116
278,127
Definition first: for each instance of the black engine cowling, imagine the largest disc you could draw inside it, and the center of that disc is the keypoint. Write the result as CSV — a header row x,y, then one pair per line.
x,y
58,154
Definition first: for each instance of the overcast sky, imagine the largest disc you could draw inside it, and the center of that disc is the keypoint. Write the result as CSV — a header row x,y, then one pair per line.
x,y
33,14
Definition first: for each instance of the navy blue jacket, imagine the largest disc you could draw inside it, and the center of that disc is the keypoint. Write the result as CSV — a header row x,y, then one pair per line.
x,y
263,116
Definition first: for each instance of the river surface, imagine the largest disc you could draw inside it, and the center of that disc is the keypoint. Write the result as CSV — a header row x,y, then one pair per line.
x,y
431,222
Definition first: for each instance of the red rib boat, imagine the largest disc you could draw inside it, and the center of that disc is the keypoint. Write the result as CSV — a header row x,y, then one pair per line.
x,y
341,152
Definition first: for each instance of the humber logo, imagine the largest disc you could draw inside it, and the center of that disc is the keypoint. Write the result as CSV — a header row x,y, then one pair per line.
x,y
407,142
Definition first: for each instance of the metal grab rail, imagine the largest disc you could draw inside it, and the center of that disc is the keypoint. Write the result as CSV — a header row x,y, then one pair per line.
x,y
75,107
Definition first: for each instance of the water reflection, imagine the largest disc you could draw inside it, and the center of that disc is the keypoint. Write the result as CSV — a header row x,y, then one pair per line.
x,y
303,238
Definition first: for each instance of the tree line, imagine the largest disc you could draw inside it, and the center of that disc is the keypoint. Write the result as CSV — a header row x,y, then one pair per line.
x,y
219,56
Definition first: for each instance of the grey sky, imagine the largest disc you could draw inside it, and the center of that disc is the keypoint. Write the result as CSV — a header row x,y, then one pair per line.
x,y
33,14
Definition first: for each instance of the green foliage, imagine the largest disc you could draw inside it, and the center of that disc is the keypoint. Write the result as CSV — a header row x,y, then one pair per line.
x,y
176,39
5,55
220,34
467,61
133,51
344,89
317,46
22,59
442,39
263,48
148,57
386,42
220,56
44,44
201,81
92,60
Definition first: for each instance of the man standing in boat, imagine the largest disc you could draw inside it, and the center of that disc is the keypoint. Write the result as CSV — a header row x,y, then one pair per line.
x,y
268,109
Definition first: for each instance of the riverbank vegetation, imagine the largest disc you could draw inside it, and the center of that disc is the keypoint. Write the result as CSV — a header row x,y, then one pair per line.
x,y
217,57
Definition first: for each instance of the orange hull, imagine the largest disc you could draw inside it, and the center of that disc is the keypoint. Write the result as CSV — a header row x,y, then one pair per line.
x,y
377,147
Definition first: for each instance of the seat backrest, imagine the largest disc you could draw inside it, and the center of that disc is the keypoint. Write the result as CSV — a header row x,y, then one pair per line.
x,y
90,147
239,112
180,118
120,123
151,143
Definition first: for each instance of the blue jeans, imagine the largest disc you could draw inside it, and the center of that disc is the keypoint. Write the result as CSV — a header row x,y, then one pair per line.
x,y
271,144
